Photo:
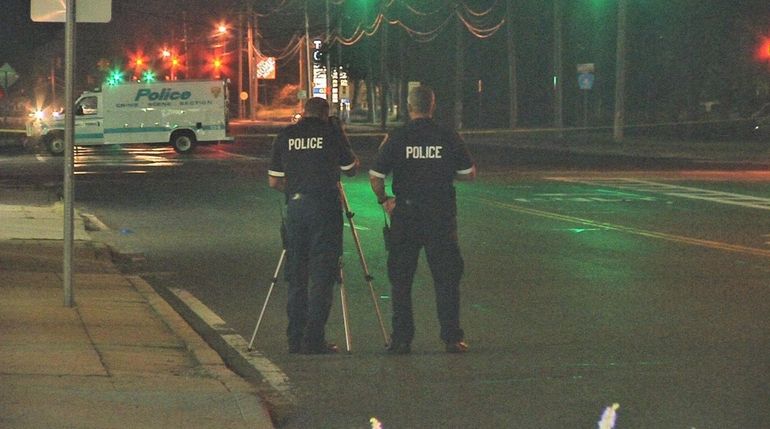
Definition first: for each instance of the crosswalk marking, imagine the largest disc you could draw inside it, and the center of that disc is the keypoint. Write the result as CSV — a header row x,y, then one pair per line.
x,y
674,191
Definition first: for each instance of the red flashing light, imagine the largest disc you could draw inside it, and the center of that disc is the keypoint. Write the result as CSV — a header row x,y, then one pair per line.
x,y
138,61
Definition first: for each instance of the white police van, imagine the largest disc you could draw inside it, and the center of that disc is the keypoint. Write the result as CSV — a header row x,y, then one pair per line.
x,y
182,113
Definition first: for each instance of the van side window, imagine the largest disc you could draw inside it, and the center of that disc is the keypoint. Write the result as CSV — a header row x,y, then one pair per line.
x,y
87,106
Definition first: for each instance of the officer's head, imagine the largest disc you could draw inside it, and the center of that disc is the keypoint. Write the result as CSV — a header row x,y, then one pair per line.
x,y
316,107
421,102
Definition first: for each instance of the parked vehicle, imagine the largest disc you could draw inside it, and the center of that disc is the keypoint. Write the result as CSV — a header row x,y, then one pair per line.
x,y
181,113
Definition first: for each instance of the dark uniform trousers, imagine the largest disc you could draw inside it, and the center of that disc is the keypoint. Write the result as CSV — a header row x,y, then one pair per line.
x,y
313,248
414,226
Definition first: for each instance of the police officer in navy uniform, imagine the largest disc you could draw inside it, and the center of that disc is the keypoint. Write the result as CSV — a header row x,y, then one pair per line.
x,y
424,159
306,162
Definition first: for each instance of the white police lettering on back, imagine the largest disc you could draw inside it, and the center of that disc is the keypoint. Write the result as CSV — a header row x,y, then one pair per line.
x,y
426,152
309,143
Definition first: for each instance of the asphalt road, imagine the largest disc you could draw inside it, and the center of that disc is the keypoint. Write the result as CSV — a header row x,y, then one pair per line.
x,y
589,281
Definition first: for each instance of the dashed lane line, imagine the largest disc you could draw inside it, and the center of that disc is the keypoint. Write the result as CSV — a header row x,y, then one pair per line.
x,y
736,248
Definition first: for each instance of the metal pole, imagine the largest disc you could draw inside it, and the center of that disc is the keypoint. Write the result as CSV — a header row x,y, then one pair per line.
x,y
241,103
367,275
5,89
329,82
345,312
457,117
384,74
253,84
308,60
69,139
267,299
512,75
557,68
620,74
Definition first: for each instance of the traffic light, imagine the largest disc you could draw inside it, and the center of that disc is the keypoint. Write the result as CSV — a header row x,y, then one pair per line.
x,y
148,76
115,77
138,61
217,67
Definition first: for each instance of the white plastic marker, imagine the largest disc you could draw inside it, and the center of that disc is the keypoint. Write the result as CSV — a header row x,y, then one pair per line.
x,y
609,416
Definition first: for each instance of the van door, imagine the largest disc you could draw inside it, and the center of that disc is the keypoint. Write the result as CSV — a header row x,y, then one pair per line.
x,y
89,122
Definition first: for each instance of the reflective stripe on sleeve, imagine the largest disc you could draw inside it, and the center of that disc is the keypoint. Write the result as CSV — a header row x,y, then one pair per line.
x,y
466,171
348,167
376,174
276,173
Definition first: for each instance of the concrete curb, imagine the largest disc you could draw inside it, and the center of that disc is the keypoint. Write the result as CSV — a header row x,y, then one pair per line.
x,y
272,384
252,408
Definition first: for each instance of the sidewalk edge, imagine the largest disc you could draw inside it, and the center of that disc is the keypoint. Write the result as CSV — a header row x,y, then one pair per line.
x,y
271,384
253,409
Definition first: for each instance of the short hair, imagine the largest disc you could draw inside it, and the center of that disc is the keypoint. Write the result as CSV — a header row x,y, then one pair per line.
x,y
421,99
316,107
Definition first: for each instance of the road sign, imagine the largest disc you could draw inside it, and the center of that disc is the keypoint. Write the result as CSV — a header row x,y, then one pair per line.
x,y
266,68
8,76
586,81
85,10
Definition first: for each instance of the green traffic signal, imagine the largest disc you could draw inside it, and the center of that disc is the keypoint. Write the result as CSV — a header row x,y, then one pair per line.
x,y
115,77
148,76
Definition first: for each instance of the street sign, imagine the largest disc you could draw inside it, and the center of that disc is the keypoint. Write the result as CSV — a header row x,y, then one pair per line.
x,y
586,81
8,76
85,10
266,68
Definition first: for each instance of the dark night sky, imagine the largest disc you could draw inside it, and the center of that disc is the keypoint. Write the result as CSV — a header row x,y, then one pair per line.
x,y
672,44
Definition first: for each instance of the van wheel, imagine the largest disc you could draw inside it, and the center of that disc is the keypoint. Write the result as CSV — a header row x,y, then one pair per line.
x,y
55,144
183,141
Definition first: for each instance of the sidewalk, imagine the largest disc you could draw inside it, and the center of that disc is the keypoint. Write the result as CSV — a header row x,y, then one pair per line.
x,y
120,358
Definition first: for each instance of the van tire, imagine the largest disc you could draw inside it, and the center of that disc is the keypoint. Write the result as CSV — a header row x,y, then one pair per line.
x,y
183,141
55,144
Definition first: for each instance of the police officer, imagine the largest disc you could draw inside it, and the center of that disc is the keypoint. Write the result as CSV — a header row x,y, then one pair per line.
x,y
306,162
424,159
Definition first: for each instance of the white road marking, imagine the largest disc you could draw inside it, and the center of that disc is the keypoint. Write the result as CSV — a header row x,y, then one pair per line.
x,y
719,197
717,245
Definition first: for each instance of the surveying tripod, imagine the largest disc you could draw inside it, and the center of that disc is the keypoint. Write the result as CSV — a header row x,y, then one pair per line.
x,y
343,293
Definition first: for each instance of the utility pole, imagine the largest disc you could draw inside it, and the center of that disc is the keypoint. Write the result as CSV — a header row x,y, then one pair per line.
x,y
620,73
308,61
384,75
185,47
241,104
558,94
53,82
329,82
459,74
253,82
512,94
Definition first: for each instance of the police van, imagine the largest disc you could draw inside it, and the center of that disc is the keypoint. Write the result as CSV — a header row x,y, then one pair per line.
x,y
182,113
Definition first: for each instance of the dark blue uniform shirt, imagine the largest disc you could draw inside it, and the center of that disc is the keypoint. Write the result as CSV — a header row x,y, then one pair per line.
x,y
424,158
310,155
